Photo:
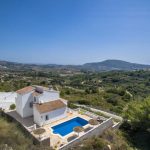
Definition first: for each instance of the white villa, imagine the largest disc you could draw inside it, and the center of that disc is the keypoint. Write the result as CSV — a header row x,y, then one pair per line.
x,y
44,104
44,107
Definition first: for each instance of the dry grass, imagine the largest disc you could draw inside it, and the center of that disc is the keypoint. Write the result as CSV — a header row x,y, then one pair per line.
x,y
13,136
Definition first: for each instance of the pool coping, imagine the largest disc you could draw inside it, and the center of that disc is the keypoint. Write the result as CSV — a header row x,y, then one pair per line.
x,y
64,137
81,136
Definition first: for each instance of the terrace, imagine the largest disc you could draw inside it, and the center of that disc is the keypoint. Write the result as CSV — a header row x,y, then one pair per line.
x,y
58,141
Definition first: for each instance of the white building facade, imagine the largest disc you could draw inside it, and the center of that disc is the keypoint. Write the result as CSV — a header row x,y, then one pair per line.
x,y
45,105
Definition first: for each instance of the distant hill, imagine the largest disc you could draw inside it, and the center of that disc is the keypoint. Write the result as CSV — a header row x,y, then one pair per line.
x,y
106,65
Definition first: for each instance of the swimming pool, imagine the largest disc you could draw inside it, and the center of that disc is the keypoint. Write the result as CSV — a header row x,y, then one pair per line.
x,y
67,127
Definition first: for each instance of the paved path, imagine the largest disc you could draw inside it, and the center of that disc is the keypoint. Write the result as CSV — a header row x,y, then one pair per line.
x,y
26,122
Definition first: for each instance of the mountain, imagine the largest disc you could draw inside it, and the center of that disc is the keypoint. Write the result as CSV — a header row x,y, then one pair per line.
x,y
106,65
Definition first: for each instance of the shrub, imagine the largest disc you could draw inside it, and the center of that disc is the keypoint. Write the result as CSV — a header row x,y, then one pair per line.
x,y
12,106
71,105
67,92
83,102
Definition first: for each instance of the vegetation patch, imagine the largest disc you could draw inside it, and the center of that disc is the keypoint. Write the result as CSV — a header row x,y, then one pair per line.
x,y
12,136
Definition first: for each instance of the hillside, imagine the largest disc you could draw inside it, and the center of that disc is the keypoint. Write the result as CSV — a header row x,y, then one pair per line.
x,y
107,65
115,91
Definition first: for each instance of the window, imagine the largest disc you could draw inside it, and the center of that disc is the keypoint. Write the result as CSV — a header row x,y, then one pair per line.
x,y
46,117
31,104
34,99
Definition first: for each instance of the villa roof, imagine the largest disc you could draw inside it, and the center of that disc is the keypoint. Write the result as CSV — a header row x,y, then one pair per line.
x,y
42,87
25,90
50,106
34,87
36,93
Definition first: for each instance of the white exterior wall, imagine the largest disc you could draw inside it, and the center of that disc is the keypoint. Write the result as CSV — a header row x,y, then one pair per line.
x,y
26,100
19,105
40,119
23,105
55,115
37,116
24,110
7,99
48,96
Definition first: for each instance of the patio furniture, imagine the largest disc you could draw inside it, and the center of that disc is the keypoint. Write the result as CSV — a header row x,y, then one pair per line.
x,y
91,115
69,139
62,145
87,129
99,120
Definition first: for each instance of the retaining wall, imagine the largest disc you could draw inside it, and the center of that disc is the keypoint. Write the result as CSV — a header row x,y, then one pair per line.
x,y
24,130
94,132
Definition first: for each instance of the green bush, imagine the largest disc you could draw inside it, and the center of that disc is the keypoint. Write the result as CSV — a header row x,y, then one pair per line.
x,y
12,106
71,105
83,102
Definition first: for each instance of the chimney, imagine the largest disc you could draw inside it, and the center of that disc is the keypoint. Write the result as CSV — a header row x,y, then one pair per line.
x,y
51,88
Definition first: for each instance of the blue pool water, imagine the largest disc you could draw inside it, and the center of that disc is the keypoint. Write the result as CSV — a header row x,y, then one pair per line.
x,y
67,127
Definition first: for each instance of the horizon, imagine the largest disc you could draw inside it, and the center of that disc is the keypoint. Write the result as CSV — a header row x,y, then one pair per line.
x,y
74,32
28,63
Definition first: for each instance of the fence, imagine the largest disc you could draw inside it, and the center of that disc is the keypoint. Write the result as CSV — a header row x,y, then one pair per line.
x,y
5,105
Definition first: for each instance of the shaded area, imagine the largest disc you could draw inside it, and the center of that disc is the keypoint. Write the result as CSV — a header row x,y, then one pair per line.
x,y
141,140
87,129
72,138
27,122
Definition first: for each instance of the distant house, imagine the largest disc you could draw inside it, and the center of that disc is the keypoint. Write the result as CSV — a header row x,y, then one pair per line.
x,y
7,99
44,104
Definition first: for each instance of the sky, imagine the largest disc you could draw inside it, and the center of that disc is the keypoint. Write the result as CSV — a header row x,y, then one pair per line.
x,y
74,31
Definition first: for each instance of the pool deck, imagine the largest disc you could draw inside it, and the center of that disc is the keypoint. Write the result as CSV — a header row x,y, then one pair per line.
x,y
55,139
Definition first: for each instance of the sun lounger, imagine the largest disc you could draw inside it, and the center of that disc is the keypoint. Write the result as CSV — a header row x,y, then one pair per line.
x,y
87,129
72,138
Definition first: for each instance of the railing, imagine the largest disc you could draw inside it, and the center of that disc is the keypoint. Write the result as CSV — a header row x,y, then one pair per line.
x,y
31,128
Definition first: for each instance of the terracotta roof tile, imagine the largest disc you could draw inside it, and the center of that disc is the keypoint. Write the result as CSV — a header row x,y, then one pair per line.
x,y
25,90
49,106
